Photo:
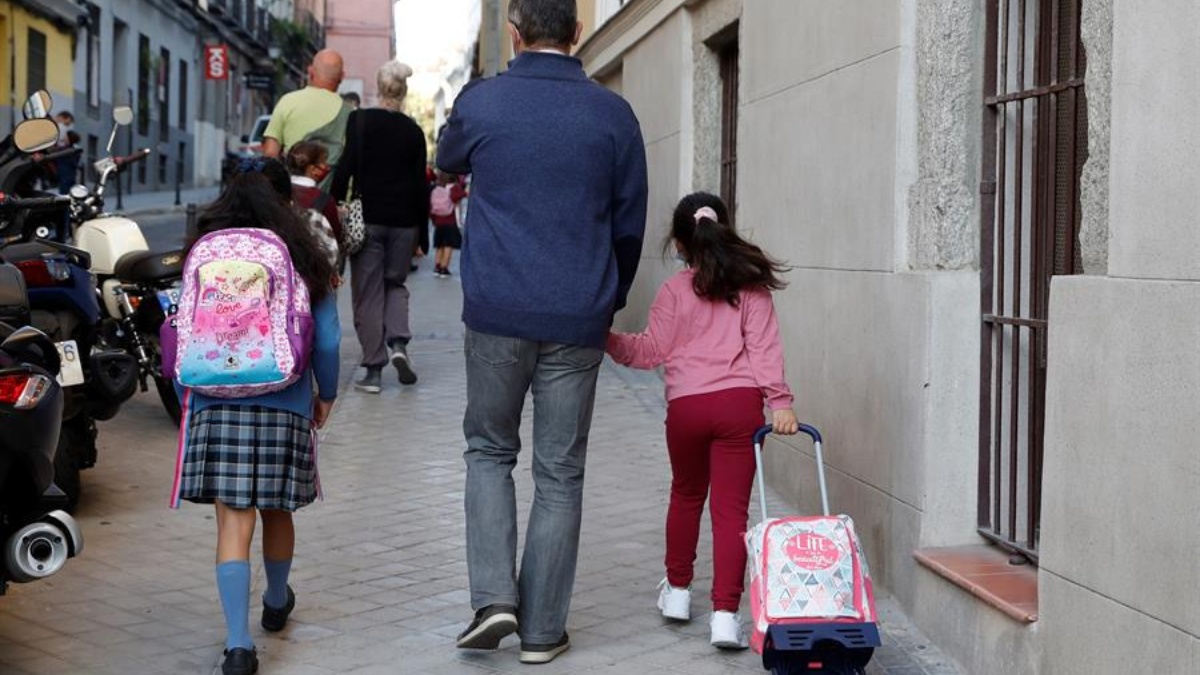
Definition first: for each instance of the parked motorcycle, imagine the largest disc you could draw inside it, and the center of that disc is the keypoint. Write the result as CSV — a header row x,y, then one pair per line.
x,y
64,305
138,286
37,536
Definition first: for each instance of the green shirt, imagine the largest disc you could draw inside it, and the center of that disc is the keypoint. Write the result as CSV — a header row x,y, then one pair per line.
x,y
311,114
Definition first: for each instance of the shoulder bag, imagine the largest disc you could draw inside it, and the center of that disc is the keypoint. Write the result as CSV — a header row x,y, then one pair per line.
x,y
354,228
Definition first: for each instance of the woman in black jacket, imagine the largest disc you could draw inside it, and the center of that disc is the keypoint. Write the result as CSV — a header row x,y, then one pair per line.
x,y
385,158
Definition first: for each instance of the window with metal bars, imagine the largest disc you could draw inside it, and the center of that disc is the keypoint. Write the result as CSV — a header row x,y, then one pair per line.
x,y
35,66
1034,148
164,93
143,93
93,61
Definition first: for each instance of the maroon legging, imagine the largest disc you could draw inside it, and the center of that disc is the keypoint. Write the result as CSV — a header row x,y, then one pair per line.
x,y
710,438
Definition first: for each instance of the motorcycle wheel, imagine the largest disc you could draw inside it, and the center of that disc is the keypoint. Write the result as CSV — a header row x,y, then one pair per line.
x,y
164,386
66,469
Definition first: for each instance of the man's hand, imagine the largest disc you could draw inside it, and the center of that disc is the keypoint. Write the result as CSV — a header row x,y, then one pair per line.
x,y
271,147
784,422
321,410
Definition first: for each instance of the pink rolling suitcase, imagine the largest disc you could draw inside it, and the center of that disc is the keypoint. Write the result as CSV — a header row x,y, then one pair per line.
x,y
810,592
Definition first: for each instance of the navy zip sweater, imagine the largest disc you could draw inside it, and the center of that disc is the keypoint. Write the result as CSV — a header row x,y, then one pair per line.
x,y
558,201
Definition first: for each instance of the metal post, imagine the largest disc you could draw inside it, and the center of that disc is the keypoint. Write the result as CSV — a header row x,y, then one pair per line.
x,y
191,219
178,177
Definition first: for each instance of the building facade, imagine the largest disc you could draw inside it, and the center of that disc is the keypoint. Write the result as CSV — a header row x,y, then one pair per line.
x,y
267,45
37,38
495,48
994,292
155,56
364,33
142,54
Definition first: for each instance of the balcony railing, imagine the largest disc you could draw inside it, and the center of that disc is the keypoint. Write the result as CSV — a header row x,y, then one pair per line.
x,y
316,32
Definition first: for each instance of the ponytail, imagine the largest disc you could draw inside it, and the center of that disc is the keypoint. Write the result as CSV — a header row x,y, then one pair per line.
x,y
724,263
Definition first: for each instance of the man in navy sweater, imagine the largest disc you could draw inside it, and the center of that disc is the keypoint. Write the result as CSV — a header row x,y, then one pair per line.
x,y
552,242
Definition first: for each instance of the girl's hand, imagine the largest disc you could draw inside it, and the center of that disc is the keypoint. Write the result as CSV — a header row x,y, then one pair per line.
x,y
321,410
784,422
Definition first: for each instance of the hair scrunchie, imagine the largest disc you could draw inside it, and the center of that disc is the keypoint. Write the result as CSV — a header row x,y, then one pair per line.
x,y
251,165
706,212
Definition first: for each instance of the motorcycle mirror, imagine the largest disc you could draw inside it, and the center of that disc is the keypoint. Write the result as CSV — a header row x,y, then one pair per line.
x,y
123,115
32,346
38,105
35,135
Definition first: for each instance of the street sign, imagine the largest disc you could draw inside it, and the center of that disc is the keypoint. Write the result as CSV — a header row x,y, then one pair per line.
x,y
216,62
260,81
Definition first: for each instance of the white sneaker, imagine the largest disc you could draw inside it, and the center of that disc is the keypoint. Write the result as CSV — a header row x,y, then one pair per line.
x,y
727,631
675,603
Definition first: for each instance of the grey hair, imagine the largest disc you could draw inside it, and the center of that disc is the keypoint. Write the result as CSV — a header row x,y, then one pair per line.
x,y
544,22
392,79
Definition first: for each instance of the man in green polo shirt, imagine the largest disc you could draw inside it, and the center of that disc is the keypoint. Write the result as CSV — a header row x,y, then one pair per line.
x,y
314,113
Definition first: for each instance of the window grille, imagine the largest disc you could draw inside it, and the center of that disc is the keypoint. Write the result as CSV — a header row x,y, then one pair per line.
x,y
1034,147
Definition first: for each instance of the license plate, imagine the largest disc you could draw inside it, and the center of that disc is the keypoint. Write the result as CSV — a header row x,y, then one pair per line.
x,y
71,371
169,301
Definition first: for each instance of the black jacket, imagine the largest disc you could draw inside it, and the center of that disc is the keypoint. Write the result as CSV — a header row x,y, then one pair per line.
x,y
388,168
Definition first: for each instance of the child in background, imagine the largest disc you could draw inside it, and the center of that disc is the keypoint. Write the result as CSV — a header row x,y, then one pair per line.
x,y
443,211
713,327
307,165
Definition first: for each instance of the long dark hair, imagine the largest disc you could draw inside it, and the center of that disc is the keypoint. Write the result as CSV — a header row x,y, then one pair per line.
x,y
725,264
258,194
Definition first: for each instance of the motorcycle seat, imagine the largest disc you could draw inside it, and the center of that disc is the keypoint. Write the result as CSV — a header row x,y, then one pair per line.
x,y
150,266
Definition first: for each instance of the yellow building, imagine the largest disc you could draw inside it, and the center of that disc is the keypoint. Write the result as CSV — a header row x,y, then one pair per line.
x,y
36,48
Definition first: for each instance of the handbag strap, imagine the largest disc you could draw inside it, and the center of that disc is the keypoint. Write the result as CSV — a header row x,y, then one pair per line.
x,y
359,114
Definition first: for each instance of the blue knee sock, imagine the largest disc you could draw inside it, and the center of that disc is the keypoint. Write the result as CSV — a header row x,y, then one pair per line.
x,y
277,577
233,584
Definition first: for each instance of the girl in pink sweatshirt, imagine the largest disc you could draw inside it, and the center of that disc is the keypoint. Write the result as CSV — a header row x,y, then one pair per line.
x,y
713,329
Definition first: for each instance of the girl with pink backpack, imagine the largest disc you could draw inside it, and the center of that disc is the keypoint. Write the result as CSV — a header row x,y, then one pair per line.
x,y
443,213
255,333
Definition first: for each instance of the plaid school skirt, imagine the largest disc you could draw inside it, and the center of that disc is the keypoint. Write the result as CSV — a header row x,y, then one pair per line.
x,y
249,457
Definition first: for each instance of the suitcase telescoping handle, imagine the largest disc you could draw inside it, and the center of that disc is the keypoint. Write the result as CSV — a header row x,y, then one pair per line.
x,y
760,436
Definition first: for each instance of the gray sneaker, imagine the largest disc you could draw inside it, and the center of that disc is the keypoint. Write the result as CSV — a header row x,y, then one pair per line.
x,y
371,383
402,364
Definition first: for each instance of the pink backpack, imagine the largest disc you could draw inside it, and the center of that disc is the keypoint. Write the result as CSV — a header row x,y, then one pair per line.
x,y
244,326
440,202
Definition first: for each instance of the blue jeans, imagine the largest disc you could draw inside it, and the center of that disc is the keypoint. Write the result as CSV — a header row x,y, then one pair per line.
x,y
500,370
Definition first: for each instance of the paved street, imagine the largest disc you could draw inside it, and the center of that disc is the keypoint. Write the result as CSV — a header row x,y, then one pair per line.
x,y
379,572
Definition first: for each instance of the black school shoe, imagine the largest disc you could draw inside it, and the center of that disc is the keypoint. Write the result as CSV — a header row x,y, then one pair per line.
x,y
239,661
274,620
532,653
491,625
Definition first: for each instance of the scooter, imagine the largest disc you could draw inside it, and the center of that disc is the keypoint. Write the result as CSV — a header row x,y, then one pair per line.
x,y
64,305
36,535
136,286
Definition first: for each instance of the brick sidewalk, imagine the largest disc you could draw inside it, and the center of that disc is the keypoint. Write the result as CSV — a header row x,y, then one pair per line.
x,y
379,573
